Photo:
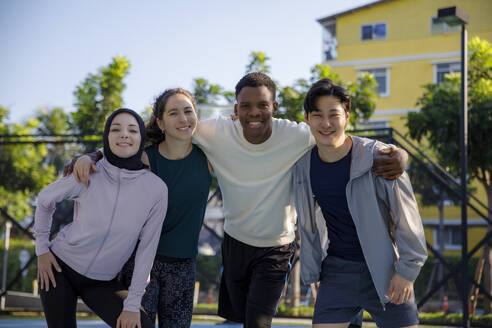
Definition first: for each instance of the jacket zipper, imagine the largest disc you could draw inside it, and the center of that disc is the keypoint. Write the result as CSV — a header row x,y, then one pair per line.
x,y
110,224
312,215
346,188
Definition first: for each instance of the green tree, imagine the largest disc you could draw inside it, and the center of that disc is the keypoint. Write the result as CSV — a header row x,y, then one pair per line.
x,y
56,122
291,99
146,114
98,95
363,93
323,71
229,96
23,169
258,62
53,121
205,92
438,122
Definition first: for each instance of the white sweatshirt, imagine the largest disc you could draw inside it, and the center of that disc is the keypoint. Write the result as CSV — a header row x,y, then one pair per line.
x,y
255,180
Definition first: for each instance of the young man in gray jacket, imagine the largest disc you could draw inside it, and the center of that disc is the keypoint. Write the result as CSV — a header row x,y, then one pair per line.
x,y
361,236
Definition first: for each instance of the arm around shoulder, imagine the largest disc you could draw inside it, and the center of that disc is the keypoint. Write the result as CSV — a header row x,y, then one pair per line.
x,y
205,131
389,161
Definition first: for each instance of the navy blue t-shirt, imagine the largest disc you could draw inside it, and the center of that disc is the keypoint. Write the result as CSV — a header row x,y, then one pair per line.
x,y
329,182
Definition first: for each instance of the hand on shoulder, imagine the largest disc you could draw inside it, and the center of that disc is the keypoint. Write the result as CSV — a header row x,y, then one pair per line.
x,y
392,166
84,166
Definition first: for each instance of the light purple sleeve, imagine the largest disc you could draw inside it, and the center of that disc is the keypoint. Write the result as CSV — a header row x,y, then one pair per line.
x,y
61,189
144,258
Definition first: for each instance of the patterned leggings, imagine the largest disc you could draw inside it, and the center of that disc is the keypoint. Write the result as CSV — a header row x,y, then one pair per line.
x,y
169,294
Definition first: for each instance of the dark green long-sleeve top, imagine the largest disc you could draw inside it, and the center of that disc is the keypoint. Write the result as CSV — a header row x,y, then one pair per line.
x,y
188,181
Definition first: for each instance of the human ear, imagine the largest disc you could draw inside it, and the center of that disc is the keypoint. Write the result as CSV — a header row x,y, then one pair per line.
x,y
275,107
160,124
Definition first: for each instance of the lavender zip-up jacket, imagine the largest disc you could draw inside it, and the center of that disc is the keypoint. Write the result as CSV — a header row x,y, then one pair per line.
x,y
117,209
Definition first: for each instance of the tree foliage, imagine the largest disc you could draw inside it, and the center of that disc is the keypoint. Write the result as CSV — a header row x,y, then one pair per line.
x,y
258,62
56,121
98,95
23,169
52,121
438,120
206,92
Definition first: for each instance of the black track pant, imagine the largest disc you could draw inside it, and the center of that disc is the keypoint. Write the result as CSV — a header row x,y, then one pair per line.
x,y
252,281
59,304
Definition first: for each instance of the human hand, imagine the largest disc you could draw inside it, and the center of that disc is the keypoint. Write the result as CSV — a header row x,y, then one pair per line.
x,y
392,167
400,290
68,168
45,272
128,319
84,166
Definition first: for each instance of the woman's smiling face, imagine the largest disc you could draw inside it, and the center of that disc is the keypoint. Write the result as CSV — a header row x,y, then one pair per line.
x,y
179,119
124,135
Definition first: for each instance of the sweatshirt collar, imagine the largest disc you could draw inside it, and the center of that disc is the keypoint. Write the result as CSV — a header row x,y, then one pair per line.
x,y
116,174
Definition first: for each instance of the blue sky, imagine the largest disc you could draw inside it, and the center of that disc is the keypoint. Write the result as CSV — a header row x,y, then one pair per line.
x,y
49,46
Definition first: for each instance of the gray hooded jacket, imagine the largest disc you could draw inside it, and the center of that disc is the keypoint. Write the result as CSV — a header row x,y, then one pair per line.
x,y
385,215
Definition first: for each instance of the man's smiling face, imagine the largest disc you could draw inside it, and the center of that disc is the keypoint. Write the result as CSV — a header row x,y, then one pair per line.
x,y
255,107
328,122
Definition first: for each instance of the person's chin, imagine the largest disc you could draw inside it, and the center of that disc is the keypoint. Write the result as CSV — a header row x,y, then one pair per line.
x,y
181,136
256,133
125,155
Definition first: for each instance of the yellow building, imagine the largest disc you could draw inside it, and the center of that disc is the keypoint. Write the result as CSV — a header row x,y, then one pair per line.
x,y
404,46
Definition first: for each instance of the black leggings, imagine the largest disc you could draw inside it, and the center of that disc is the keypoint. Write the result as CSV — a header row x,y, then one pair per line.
x,y
59,304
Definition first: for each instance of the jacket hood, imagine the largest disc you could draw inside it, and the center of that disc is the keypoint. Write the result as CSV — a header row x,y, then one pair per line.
x,y
361,162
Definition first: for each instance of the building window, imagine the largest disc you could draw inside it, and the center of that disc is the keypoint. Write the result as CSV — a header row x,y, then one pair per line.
x,y
451,237
373,31
440,70
330,40
439,27
382,78
373,124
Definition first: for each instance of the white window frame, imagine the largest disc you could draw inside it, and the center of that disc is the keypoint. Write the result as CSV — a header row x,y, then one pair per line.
x,y
447,246
333,39
449,62
373,123
374,25
446,27
387,72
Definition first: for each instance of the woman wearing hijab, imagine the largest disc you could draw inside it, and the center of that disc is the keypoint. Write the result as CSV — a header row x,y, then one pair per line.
x,y
122,204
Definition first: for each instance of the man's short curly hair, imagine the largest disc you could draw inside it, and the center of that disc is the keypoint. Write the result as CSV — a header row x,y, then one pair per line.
x,y
256,79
